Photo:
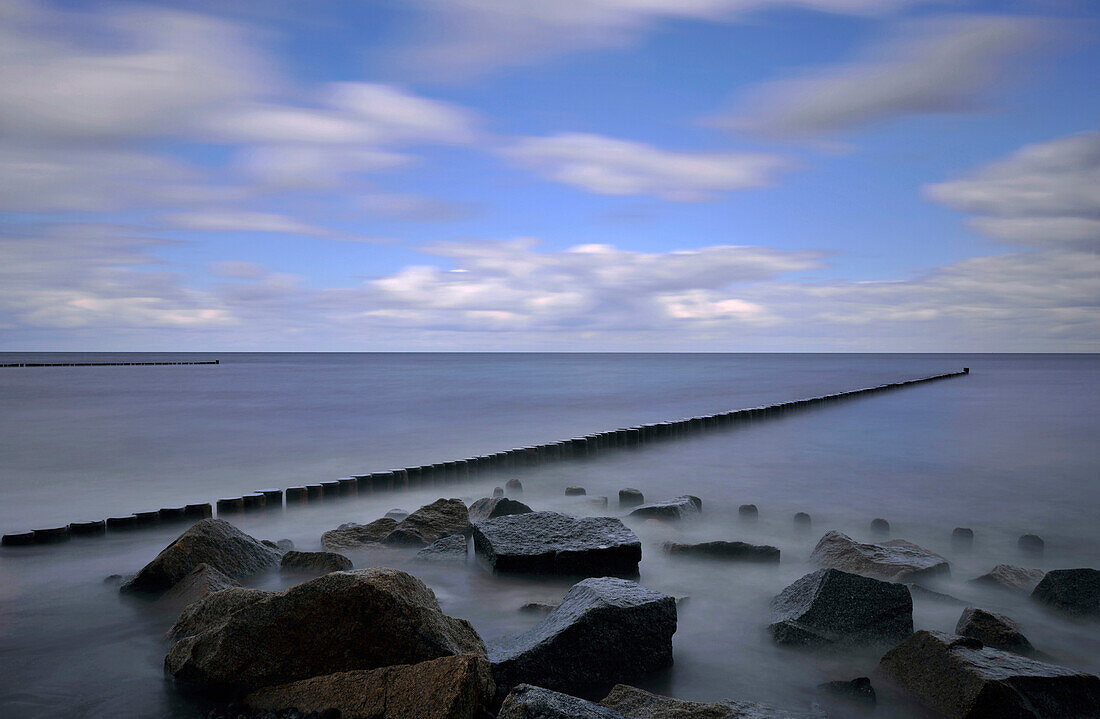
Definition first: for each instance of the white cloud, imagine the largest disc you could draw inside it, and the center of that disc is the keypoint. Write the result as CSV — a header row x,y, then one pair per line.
x,y
244,221
610,166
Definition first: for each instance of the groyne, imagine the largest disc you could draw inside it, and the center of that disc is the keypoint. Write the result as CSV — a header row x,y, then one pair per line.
x,y
101,364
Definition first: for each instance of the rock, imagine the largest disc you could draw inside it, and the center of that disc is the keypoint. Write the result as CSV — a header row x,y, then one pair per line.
x,y
486,508
437,520
574,491
880,526
684,507
959,677
748,511
342,621
834,607
1075,591
802,520
552,543
1007,576
604,631
529,702
725,550
354,536
448,549
1031,544
895,561
213,609
921,592
513,486
198,583
630,497
634,703
858,690
214,542
397,514
498,491
598,503
323,562
993,630
284,545
962,537
539,607
452,687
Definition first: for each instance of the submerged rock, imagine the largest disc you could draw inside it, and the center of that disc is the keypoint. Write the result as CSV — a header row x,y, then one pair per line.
x,y
355,536
959,677
834,607
634,703
498,491
201,581
574,491
1007,576
630,497
552,543
530,702
314,562
993,630
962,537
1031,544
213,609
437,520
397,514
858,690
486,508
513,486
880,526
604,631
725,550
1075,591
448,549
684,507
802,520
748,511
539,607
894,561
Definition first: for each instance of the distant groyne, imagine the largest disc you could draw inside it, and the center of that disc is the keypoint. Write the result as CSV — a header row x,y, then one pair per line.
x,y
100,364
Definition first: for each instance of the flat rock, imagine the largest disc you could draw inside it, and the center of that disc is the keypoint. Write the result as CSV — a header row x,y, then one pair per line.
x,y
434,521
959,677
894,561
685,507
574,491
634,703
354,536
491,508
1007,576
448,549
196,584
834,607
452,687
530,702
604,631
1074,591
342,621
739,551
993,630
552,543
213,609
213,542
322,562
630,497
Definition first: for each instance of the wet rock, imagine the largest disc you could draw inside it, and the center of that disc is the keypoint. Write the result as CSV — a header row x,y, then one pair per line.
x,y
597,503
959,677
342,621
214,542
574,491
530,702
921,592
437,520
322,562
198,583
630,497
355,536
880,526
740,551
552,543
513,486
802,520
1031,544
213,609
858,690
284,545
448,549
543,608
1074,591
634,703
605,630
748,511
894,561
498,491
993,630
397,514
486,508
834,607
684,507
1007,576
452,687
962,537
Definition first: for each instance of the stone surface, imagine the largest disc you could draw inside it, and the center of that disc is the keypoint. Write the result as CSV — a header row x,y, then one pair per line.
x,y
448,549
342,621
894,561
959,677
834,607
314,562
196,584
513,486
1031,544
434,521
880,526
1007,576
802,520
486,508
214,542
1075,591
725,550
858,690
552,543
993,630
605,630
574,491
397,514
530,702
748,511
634,703
684,507
213,609
453,687
354,536
630,497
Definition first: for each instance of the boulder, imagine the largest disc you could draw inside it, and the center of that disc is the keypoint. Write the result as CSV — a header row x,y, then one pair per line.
x,y
598,503
960,677
529,702
1031,544
513,486
748,511
634,703
684,507
604,631
452,687
543,608
322,562
284,545
922,592
834,607
342,621
498,491
993,630
802,520
448,549
630,497
397,514
437,520
740,551
880,526
1075,591
574,491
1007,576
552,543
486,508
858,690
962,537
354,536
198,583
214,542
213,609
894,561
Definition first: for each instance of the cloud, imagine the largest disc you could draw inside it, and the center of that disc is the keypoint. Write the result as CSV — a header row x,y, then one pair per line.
x,y
416,207
942,65
609,166
244,221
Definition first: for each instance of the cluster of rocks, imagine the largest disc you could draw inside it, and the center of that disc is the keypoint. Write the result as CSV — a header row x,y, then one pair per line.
x,y
432,522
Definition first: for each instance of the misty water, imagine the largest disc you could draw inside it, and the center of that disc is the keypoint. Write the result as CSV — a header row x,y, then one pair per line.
x,y
1012,448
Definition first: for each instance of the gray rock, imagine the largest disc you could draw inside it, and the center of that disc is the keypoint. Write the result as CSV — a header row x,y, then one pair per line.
x,y
198,583
322,562
1031,544
543,608
355,536
1074,591
960,677
894,561
748,511
634,703
552,543
834,607
858,690
397,514
486,508
529,702
604,631
213,609
284,545
574,491
514,487
802,520
630,497
498,491
993,630
214,542
962,537
880,526
740,551
598,503
434,521
921,592
1007,576
448,549
685,507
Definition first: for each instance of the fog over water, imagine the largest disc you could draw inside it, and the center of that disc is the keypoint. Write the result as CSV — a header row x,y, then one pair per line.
x,y
1011,448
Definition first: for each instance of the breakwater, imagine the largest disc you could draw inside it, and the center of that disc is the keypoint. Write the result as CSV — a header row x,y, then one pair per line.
x,y
102,364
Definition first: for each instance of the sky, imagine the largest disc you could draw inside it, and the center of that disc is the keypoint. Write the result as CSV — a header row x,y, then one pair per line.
x,y
576,175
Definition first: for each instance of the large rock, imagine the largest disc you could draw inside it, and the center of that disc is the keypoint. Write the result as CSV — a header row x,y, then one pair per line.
x,y
454,687
486,508
634,703
740,551
834,607
432,522
213,609
552,543
1076,591
684,507
214,542
606,630
894,561
196,584
1007,576
993,630
342,621
959,677
354,536
448,549
529,702
321,562
630,497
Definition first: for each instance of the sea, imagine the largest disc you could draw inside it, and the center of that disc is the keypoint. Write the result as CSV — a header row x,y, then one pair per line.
x,y
1011,448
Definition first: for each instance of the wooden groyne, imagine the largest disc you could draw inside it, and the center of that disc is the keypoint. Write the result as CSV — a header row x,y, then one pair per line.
x,y
444,474
101,364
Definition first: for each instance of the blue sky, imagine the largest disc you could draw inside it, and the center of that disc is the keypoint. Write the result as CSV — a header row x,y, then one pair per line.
x,y
639,175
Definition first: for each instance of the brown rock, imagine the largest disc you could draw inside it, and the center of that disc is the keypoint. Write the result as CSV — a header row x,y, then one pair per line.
x,y
357,535
321,562
430,523
894,561
213,609
1007,576
993,630
198,583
